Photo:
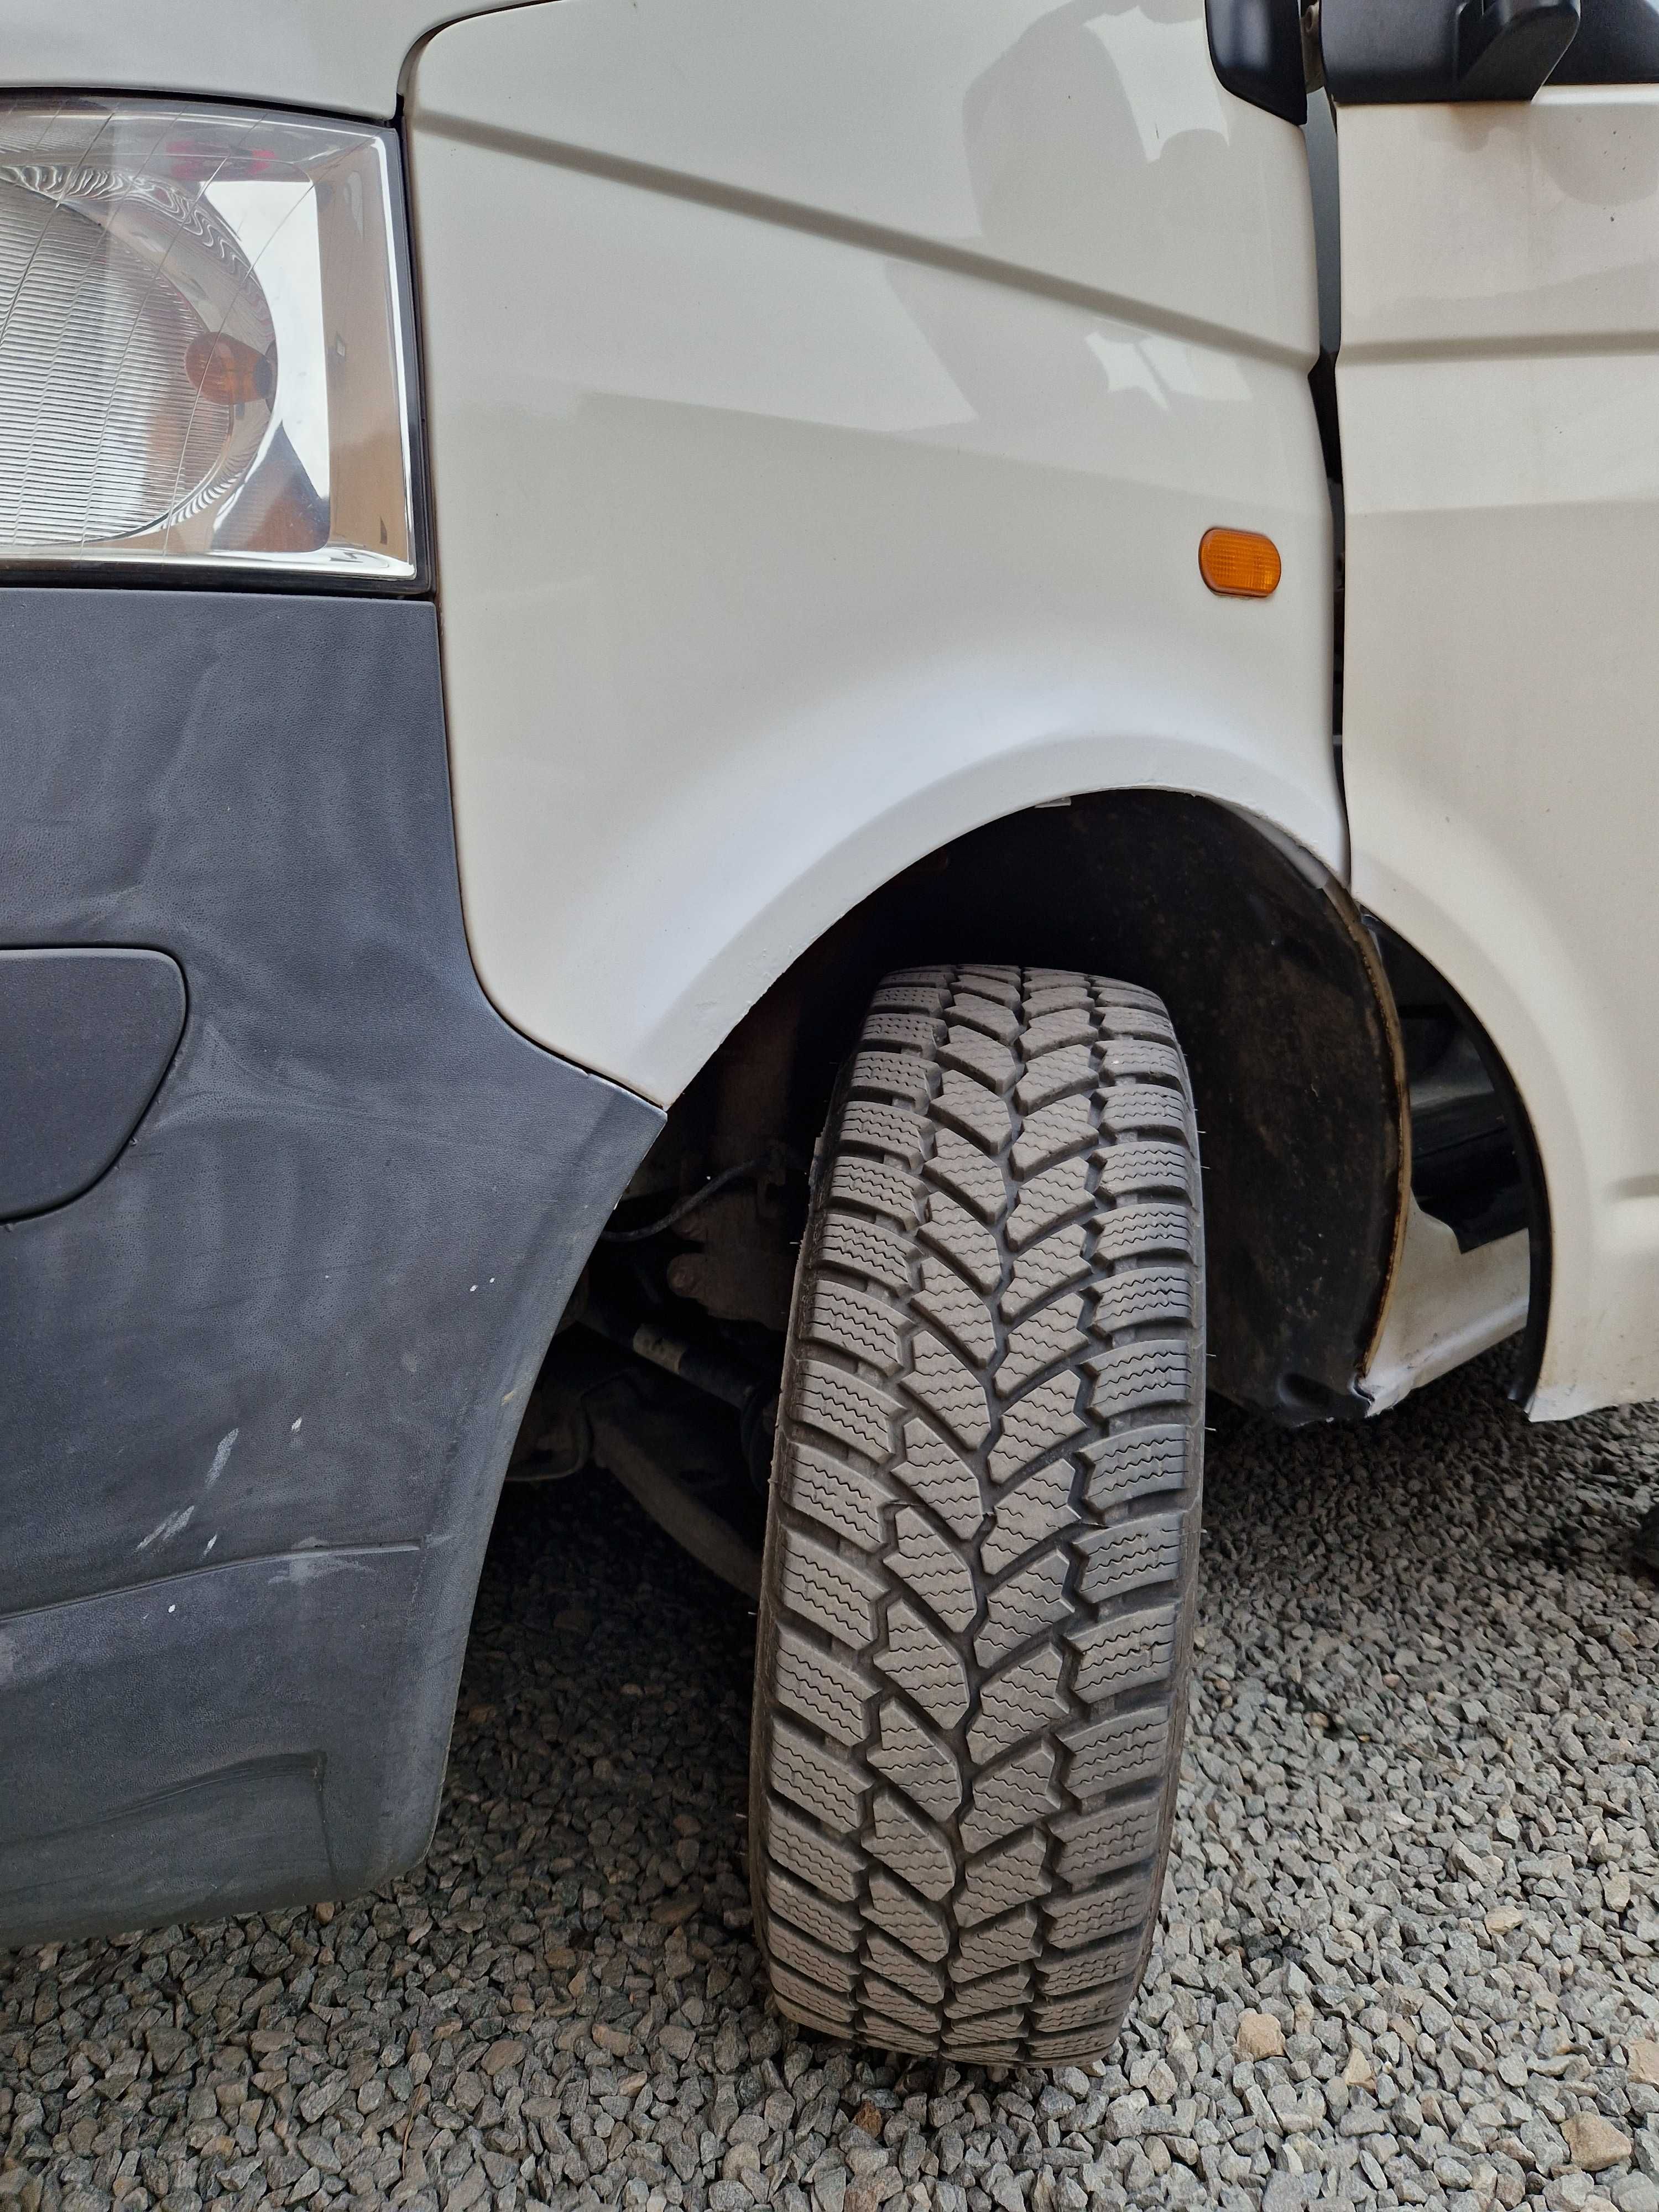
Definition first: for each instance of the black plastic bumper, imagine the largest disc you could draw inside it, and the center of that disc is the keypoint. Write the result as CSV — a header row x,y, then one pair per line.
x,y
261,1380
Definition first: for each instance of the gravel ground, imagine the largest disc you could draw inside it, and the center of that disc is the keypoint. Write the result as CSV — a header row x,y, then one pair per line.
x,y
1410,1949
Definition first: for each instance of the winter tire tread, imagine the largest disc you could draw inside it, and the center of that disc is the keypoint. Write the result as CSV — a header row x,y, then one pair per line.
x,y
975,1615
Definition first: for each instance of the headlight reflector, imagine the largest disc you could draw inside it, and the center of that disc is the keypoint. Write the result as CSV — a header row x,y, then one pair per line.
x,y
203,341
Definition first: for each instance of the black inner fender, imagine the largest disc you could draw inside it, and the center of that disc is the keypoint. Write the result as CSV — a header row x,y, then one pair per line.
x,y
1282,1006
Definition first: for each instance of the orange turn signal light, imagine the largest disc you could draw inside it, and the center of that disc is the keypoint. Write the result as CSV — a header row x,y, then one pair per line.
x,y
1242,563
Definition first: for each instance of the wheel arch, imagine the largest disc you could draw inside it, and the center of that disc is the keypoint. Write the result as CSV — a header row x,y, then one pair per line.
x,y
1278,998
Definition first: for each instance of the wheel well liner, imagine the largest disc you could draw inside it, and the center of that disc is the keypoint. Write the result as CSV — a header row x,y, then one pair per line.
x,y
1283,1010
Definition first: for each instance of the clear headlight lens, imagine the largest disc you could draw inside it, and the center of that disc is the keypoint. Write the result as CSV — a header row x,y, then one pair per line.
x,y
204,350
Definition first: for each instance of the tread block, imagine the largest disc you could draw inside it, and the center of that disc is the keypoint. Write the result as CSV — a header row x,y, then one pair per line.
x,y
921,1928
958,1308
829,1924
1061,1972
1125,1055
1047,1200
855,1180
1085,1915
825,1970
1136,1463
1039,1423
827,1693
1137,1106
893,1075
885,1128
934,1569
996,1017
807,2003
960,1166
988,2029
950,1391
1131,1555
941,1479
828,1785
1029,1603
988,2054
835,1869
973,1053
857,1324
913,994
1058,1263
1152,1372
1139,1296
1134,1231
912,1847
886,1026
1026,1515
1088,2007
1054,1333
998,1943
1139,1164
1002,985
1071,1069
1004,1878
1016,1702
1118,1753
1057,1026
1010,1797
964,1102
923,1665
1135,1017
1110,990
867,1249
1054,1131
967,1243
902,1967
1130,1651
921,1765
1096,1844
826,1587
1074,2050
848,1409
886,2034
848,1501
884,2000
1013,1986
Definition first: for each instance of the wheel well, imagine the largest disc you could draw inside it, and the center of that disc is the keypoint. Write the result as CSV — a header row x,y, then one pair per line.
x,y
1280,1003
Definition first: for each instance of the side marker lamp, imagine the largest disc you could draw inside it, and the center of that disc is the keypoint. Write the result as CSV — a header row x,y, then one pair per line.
x,y
1240,564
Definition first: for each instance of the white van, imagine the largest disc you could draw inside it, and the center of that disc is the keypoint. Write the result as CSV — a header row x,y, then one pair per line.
x,y
840,694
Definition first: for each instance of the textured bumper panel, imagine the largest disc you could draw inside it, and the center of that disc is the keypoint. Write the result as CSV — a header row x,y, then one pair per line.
x,y
86,1033
269,1369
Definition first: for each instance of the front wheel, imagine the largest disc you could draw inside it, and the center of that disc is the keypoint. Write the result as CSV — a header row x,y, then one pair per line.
x,y
976,1617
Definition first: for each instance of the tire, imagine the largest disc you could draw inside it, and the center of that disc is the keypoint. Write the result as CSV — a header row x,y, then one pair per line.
x,y
976,1617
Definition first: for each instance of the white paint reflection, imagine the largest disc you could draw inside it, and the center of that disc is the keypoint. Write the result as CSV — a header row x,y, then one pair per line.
x,y
1163,366
1166,95
1127,367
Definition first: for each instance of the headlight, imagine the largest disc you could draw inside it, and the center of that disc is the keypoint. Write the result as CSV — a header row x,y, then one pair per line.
x,y
204,350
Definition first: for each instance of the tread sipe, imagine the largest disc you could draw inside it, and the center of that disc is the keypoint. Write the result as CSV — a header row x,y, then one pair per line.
x,y
975,1625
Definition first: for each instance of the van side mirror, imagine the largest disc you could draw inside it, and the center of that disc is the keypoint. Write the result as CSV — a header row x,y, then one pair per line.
x,y
1506,49
1441,50
1255,46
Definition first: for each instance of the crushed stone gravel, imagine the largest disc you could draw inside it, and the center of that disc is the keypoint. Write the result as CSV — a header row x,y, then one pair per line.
x,y
1409,1948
